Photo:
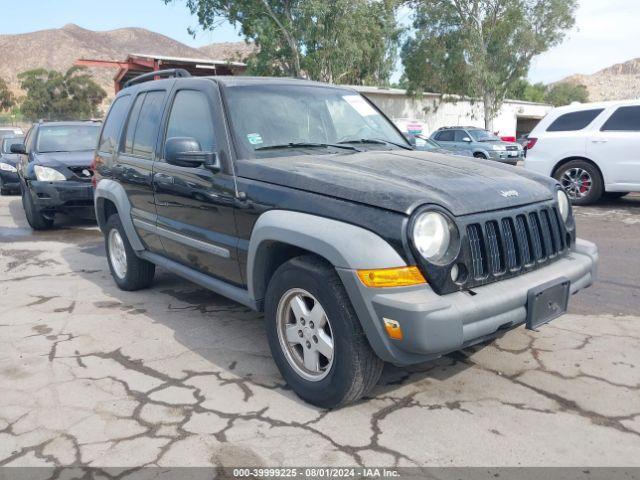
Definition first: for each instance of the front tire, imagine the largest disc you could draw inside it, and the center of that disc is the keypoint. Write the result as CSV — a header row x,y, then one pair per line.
x,y
128,270
581,180
35,218
315,336
480,155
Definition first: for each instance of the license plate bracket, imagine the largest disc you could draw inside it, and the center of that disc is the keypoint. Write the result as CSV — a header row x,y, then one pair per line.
x,y
547,302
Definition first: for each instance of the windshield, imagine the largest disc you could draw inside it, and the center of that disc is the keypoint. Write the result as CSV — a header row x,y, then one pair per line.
x,y
8,141
483,136
288,116
67,138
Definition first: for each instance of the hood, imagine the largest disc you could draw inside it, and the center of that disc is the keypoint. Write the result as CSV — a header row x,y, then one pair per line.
x,y
68,159
10,158
402,180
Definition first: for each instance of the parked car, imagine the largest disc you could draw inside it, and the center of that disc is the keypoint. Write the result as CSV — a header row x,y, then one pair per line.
x,y
54,170
593,149
10,132
357,248
483,143
8,173
425,144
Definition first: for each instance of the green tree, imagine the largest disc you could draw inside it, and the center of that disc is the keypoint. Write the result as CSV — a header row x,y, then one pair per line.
x,y
7,99
480,48
564,93
346,41
60,96
521,89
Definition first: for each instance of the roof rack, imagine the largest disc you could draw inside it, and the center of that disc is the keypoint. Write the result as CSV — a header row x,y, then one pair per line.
x,y
145,77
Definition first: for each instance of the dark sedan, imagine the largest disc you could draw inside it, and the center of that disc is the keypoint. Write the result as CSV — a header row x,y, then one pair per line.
x,y
55,170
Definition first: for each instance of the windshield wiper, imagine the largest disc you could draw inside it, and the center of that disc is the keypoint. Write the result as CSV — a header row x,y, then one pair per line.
x,y
377,141
307,145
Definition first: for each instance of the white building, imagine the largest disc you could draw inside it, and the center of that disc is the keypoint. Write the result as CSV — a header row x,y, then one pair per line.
x,y
514,119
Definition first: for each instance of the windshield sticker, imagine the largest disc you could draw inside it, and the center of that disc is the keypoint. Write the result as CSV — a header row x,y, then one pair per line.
x,y
360,105
254,138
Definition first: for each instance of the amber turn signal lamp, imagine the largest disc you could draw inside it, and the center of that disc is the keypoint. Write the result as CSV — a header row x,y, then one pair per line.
x,y
391,277
393,328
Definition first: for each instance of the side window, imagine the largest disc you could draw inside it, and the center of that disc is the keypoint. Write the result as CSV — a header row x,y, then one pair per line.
x,y
446,136
459,135
574,120
110,132
27,139
624,119
146,133
191,117
132,123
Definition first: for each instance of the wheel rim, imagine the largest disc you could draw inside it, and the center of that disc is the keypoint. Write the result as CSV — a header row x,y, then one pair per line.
x,y
305,334
117,254
577,182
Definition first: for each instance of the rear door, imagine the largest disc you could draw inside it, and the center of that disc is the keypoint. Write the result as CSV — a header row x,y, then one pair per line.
x,y
134,165
195,205
615,146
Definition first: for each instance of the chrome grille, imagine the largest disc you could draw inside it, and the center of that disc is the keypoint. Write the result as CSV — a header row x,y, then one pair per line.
x,y
512,244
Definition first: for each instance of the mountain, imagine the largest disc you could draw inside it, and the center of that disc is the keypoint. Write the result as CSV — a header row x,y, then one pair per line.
x,y
58,49
230,51
617,82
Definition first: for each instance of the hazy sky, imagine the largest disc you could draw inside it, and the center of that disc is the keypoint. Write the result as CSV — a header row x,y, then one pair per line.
x,y
606,32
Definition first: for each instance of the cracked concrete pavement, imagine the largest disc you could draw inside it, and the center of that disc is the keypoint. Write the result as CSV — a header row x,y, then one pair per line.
x,y
178,376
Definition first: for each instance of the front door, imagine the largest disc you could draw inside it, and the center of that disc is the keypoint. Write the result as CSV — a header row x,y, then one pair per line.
x,y
134,165
194,204
615,145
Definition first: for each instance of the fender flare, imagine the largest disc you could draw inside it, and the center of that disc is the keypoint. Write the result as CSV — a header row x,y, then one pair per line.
x,y
114,192
344,245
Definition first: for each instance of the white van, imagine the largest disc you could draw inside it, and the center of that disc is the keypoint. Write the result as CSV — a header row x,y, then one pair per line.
x,y
593,149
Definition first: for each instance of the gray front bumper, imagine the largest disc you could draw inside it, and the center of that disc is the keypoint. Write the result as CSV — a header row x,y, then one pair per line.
x,y
433,325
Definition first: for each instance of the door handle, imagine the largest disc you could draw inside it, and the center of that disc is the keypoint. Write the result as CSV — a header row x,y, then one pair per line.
x,y
602,140
163,179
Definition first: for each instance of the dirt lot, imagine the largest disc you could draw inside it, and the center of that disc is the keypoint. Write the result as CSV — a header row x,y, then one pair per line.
x,y
175,375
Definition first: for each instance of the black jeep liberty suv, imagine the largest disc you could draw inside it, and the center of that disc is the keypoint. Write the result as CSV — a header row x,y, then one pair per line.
x,y
302,200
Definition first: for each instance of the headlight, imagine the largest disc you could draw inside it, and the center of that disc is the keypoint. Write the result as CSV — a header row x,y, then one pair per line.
x,y
432,235
563,205
46,174
7,168
498,147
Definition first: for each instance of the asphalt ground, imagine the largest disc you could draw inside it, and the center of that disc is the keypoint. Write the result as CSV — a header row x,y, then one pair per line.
x,y
178,376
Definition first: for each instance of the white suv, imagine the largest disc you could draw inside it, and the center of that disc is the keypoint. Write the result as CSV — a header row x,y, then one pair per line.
x,y
591,148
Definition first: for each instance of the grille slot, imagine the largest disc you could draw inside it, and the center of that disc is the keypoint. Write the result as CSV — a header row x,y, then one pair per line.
x,y
495,248
477,258
512,244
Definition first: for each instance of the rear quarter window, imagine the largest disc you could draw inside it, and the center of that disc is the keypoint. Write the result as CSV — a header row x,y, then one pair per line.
x,y
574,120
624,119
113,125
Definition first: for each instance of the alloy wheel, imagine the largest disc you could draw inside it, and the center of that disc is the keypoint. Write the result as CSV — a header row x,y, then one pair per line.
x,y
117,254
305,334
577,182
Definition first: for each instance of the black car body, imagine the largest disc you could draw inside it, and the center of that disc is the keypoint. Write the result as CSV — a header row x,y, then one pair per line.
x,y
55,172
303,200
9,181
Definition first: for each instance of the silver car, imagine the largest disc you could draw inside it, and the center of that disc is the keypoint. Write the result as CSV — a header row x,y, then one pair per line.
x,y
482,143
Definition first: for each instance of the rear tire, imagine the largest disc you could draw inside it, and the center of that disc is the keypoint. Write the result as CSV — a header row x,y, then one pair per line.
x,y
35,218
353,370
581,180
128,270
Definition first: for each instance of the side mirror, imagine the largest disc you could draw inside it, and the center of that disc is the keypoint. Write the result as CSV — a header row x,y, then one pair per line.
x,y
187,152
18,148
466,139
